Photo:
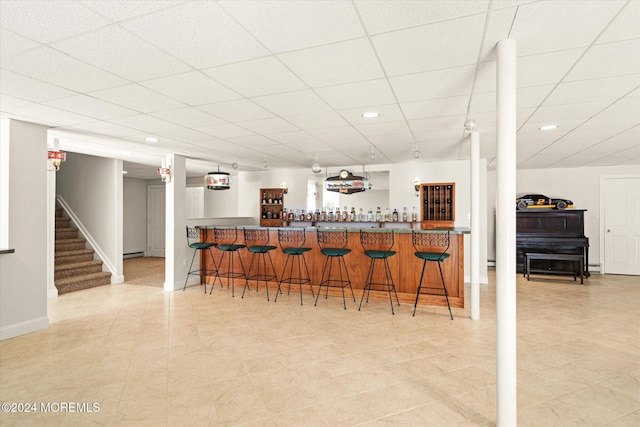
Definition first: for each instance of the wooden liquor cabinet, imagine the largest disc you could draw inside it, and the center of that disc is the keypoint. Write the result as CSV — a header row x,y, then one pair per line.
x,y
438,205
271,207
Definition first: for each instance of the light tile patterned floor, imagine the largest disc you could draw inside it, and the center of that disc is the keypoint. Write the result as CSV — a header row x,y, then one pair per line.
x,y
150,357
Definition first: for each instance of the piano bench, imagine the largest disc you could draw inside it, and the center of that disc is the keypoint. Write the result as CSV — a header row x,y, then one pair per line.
x,y
528,256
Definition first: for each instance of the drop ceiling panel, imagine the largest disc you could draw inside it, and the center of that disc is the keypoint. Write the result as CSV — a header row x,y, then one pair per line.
x,y
192,88
120,11
360,94
438,107
89,106
385,128
551,114
11,44
46,21
54,115
317,120
337,133
199,33
627,105
188,117
295,138
498,27
239,110
285,26
8,102
56,68
388,113
267,126
593,90
185,135
336,63
624,26
225,130
460,36
29,89
607,60
381,17
433,84
545,68
257,77
122,53
550,26
431,136
108,128
146,123
290,103
138,98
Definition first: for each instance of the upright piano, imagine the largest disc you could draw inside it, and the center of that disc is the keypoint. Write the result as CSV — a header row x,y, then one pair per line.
x,y
551,231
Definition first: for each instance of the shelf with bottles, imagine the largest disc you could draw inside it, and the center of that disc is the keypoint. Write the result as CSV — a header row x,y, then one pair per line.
x,y
438,204
271,207
350,217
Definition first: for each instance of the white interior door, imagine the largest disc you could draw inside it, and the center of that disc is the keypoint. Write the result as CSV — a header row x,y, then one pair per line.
x,y
195,202
621,223
156,220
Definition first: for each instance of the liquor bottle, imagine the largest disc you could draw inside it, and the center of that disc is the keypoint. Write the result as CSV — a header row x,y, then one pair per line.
x,y
387,217
395,215
378,215
337,216
345,214
414,215
369,215
264,198
269,215
360,216
405,215
330,215
270,199
352,214
264,213
323,214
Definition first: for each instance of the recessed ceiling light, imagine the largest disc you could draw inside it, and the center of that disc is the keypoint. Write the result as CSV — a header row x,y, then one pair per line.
x,y
548,127
151,139
370,114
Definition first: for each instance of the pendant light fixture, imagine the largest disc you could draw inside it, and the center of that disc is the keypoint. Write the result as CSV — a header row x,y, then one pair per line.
x,y
316,168
217,180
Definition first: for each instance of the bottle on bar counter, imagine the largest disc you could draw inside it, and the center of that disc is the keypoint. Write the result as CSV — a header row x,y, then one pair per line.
x,y
352,214
345,214
386,217
330,215
405,215
414,215
395,215
336,216
369,215
323,214
378,215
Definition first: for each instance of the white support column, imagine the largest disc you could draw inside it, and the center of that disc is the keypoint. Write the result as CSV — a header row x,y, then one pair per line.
x,y
175,246
506,380
52,291
475,225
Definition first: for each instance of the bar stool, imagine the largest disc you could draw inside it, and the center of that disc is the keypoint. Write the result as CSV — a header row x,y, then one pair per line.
x,y
257,241
333,245
377,246
226,238
193,240
292,243
431,247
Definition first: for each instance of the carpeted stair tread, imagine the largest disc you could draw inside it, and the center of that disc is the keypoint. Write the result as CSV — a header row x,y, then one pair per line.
x,y
66,233
77,268
86,281
64,257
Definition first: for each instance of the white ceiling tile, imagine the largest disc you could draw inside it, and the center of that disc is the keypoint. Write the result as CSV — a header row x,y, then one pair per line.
x,y
624,26
257,77
460,36
432,136
433,84
225,130
384,128
498,28
192,88
331,134
548,26
553,113
613,124
51,66
337,63
8,102
437,107
564,126
93,107
388,113
289,25
300,139
482,103
399,141
252,141
532,96
199,33
545,68
46,21
188,117
624,106
607,60
380,17
317,120
145,123
108,128
239,110
438,123
54,115
593,90
267,126
360,94
186,135
122,53
12,44
137,98
290,103
24,87
121,10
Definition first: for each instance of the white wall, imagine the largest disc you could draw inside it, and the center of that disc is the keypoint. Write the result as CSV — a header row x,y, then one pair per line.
x,y
23,274
134,215
92,186
249,184
580,185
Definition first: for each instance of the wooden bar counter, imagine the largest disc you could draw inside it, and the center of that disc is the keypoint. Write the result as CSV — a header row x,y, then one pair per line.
x,y
405,266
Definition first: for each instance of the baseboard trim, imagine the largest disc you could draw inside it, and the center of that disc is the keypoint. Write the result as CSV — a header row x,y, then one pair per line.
x,y
22,328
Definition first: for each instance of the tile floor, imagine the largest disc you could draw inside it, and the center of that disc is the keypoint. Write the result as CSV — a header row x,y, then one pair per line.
x,y
156,358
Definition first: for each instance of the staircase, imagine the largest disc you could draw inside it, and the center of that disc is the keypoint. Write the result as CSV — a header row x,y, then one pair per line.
x,y
75,268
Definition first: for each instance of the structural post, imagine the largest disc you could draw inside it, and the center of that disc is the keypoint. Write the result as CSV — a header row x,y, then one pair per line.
x,y
506,381
175,243
475,225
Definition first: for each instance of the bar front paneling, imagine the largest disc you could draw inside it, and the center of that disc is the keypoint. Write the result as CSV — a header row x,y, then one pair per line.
x,y
405,266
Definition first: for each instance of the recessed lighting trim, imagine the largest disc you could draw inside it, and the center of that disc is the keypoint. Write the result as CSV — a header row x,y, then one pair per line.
x,y
151,139
370,114
548,127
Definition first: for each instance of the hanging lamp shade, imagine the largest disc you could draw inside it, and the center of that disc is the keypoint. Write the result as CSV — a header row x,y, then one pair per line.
x,y
217,181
